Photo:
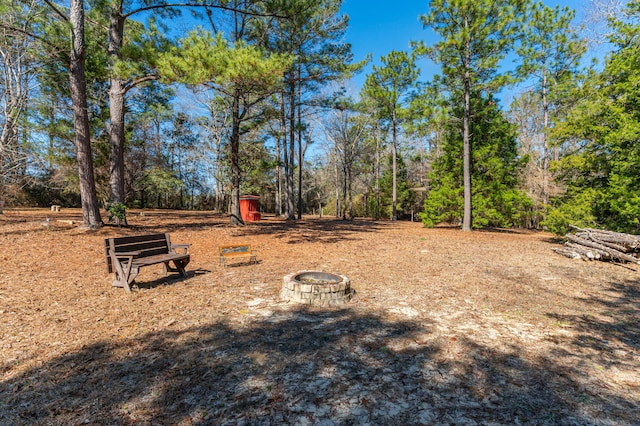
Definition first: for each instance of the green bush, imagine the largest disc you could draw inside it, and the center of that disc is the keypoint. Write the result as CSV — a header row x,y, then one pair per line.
x,y
117,212
577,211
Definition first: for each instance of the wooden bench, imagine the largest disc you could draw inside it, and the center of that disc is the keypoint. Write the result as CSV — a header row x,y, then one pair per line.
x,y
126,255
237,251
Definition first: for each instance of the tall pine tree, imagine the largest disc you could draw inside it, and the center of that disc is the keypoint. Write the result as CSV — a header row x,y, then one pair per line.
x,y
475,36
495,172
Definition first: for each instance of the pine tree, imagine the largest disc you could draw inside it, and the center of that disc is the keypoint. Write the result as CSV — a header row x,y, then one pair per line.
x,y
550,52
495,172
475,36
240,72
313,35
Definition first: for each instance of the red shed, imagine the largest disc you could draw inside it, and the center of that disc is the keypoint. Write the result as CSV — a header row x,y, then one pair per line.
x,y
249,208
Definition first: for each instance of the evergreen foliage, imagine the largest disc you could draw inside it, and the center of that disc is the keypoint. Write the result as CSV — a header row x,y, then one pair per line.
x,y
495,173
263,68
601,133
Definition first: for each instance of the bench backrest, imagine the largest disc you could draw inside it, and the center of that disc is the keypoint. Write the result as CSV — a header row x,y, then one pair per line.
x,y
233,249
147,245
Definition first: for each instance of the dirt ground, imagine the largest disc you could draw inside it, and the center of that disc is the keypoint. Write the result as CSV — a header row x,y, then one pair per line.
x,y
446,327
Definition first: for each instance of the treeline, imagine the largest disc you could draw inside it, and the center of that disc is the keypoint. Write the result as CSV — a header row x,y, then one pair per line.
x,y
158,105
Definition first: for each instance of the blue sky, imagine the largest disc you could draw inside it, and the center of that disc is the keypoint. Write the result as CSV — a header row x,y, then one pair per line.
x,y
380,26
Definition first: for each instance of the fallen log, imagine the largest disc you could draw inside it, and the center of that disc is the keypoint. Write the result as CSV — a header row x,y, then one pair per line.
x,y
589,252
566,252
631,242
615,254
597,239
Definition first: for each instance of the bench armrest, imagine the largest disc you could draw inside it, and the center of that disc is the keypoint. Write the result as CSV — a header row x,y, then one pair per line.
x,y
181,246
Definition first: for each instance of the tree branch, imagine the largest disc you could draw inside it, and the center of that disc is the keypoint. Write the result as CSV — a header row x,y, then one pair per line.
x,y
133,83
227,8
57,11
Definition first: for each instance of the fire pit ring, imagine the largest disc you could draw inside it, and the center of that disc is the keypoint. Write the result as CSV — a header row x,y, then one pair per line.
x,y
316,288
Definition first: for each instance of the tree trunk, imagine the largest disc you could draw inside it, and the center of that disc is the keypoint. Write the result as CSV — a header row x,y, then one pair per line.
x,y
236,217
337,185
394,154
545,142
466,159
280,142
290,213
466,142
300,150
78,87
117,93
349,208
377,188
284,187
343,213
116,142
278,197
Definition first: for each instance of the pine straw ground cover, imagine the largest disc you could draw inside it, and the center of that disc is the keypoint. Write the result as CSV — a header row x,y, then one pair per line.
x,y
446,328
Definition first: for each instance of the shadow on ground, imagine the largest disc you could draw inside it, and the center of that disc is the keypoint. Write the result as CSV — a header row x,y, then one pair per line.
x,y
613,337
310,366
329,231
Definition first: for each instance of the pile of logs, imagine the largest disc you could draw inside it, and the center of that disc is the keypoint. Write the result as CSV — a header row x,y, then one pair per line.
x,y
597,244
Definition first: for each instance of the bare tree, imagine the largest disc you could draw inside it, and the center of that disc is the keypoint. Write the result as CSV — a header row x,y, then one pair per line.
x,y
525,113
216,126
597,16
16,76
347,133
75,60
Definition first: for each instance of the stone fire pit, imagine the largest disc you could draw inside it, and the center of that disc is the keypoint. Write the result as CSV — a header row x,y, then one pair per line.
x,y
316,288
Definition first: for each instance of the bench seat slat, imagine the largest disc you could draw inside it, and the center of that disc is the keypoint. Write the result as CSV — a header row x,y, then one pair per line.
x,y
160,258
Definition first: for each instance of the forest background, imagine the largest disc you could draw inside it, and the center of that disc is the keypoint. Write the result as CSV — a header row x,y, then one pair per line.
x,y
121,104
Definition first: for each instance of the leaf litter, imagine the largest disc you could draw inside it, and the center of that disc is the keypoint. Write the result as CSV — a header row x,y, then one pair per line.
x,y
446,327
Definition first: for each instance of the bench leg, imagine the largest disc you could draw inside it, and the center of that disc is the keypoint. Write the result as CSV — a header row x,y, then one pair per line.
x,y
132,276
124,273
180,266
124,276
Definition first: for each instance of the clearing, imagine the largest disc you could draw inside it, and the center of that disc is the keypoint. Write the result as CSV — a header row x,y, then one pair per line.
x,y
446,328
